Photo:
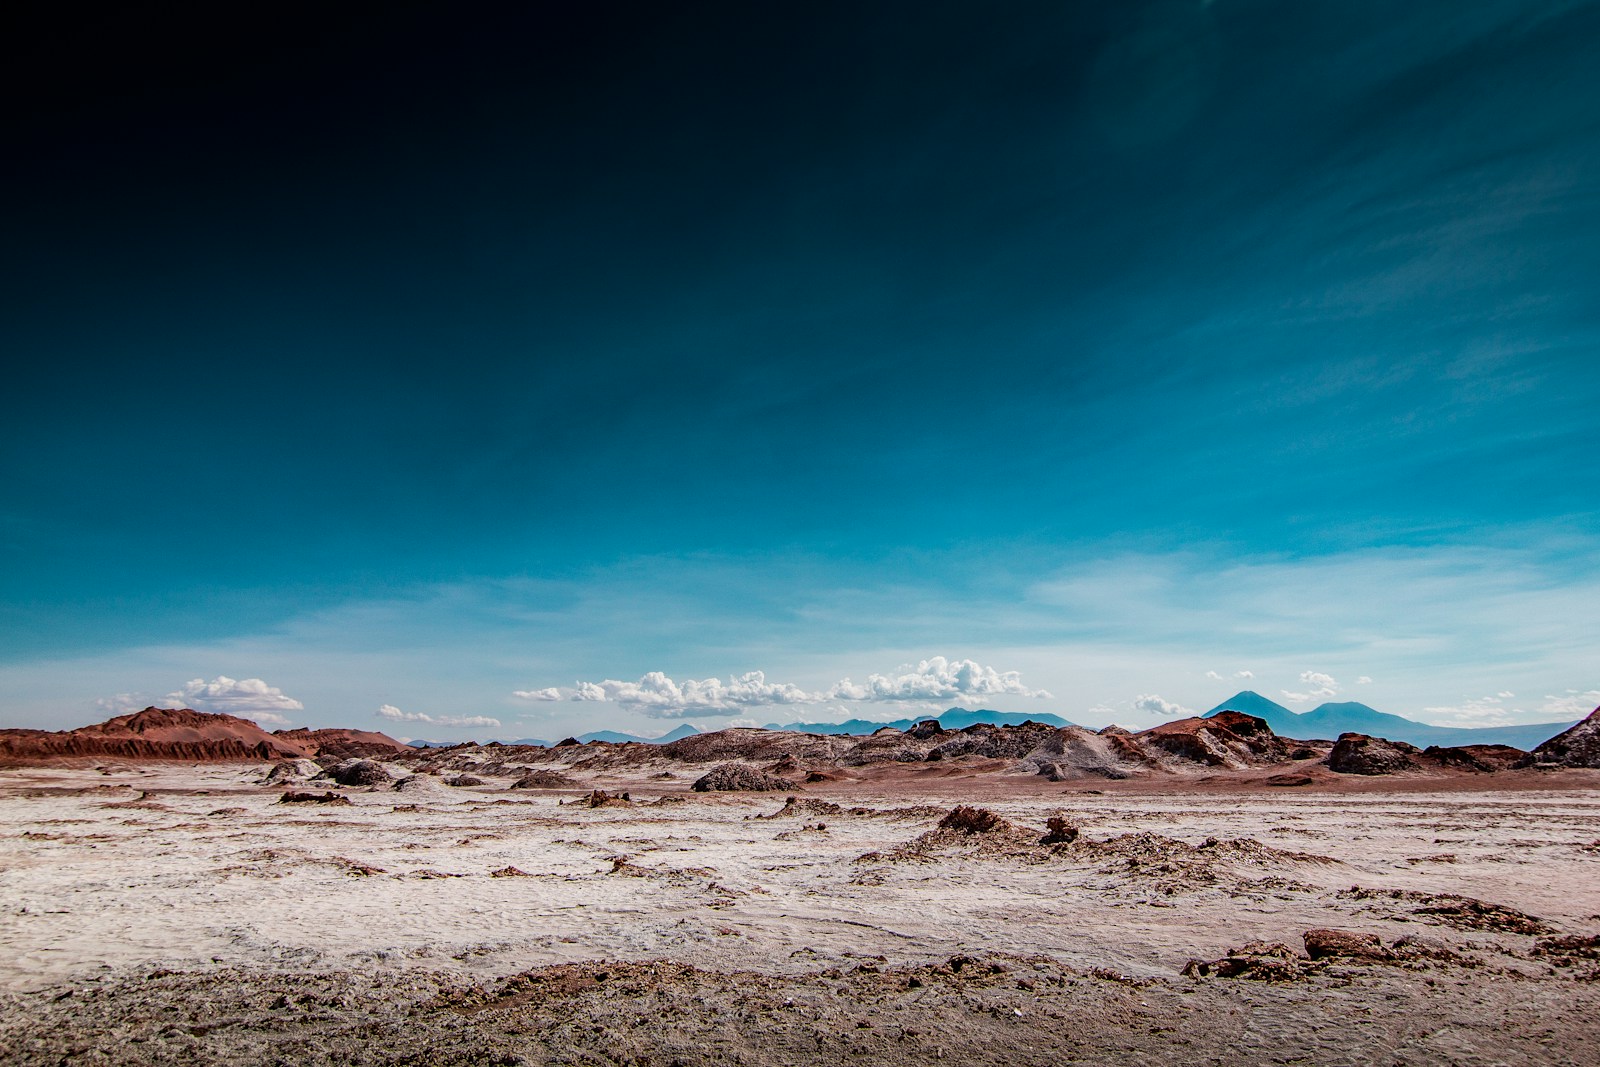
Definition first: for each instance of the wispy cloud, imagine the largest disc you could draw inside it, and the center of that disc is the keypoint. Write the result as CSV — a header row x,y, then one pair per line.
x,y
455,722
1474,711
1572,704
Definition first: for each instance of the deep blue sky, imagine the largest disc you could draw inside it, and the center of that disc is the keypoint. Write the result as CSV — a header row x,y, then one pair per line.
x,y
417,355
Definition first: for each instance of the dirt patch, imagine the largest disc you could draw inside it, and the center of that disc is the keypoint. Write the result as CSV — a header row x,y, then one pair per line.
x,y
1449,909
968,1009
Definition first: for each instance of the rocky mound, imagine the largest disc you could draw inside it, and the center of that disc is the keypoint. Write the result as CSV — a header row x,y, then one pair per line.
x,y
341,744
886,746
329,797
536,780
994,742
1229,739
754,745
420,783
1273,961
1073,752
177,734
357,772
1575,747
154,733
291,772
600,798
1360,754
730,777
800,807
1482,758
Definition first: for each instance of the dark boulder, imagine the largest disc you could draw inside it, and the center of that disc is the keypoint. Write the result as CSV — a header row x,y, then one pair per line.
x,y
329,797
543,780
1324,943
739,777
360,772
1360,754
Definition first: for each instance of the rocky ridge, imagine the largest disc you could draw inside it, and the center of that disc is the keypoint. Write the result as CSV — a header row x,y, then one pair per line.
x,y
1232,742
188,735
1576,747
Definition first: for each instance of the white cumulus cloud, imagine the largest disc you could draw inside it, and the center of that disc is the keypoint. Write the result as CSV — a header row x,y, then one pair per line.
x,y
933,679
1322,685
1165,710
245,697
936,679
454,722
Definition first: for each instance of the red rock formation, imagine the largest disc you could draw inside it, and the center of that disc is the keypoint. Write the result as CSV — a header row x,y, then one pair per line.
x,y
1227,739
1481,758
340,743
176,734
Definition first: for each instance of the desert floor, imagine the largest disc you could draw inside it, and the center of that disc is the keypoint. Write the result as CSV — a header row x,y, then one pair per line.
x,y
181,914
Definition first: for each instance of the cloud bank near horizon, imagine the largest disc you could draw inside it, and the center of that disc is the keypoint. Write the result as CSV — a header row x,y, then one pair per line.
x,y
659,696
390,713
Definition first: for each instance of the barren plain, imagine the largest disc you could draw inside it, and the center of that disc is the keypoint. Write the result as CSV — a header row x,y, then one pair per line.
x,y
184,913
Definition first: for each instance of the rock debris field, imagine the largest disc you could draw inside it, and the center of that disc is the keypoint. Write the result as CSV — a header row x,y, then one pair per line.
x,y
195,913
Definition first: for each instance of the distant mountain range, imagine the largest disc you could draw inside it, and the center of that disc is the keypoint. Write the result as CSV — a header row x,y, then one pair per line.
x,y
1331,720
1327,721
954,719
684,730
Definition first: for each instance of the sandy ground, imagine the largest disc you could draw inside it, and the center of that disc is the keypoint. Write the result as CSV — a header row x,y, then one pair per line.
x,y
181,914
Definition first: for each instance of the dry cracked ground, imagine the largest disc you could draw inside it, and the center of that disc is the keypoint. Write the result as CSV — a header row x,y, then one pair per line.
x,y
184,914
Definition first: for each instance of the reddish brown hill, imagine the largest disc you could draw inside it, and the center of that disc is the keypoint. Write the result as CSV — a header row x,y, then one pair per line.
x,y
1227,739
341,744
176,734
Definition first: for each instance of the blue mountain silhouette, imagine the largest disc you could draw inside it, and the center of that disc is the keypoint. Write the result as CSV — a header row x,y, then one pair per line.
x,y
1332,719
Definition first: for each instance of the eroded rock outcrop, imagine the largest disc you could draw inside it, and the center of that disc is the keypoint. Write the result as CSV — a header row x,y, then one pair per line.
x,y
1578,746
732,777
1361,754
1228,739
180,734
1485,759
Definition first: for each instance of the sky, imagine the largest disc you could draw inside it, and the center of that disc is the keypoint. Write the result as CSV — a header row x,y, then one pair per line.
x,y
473,370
